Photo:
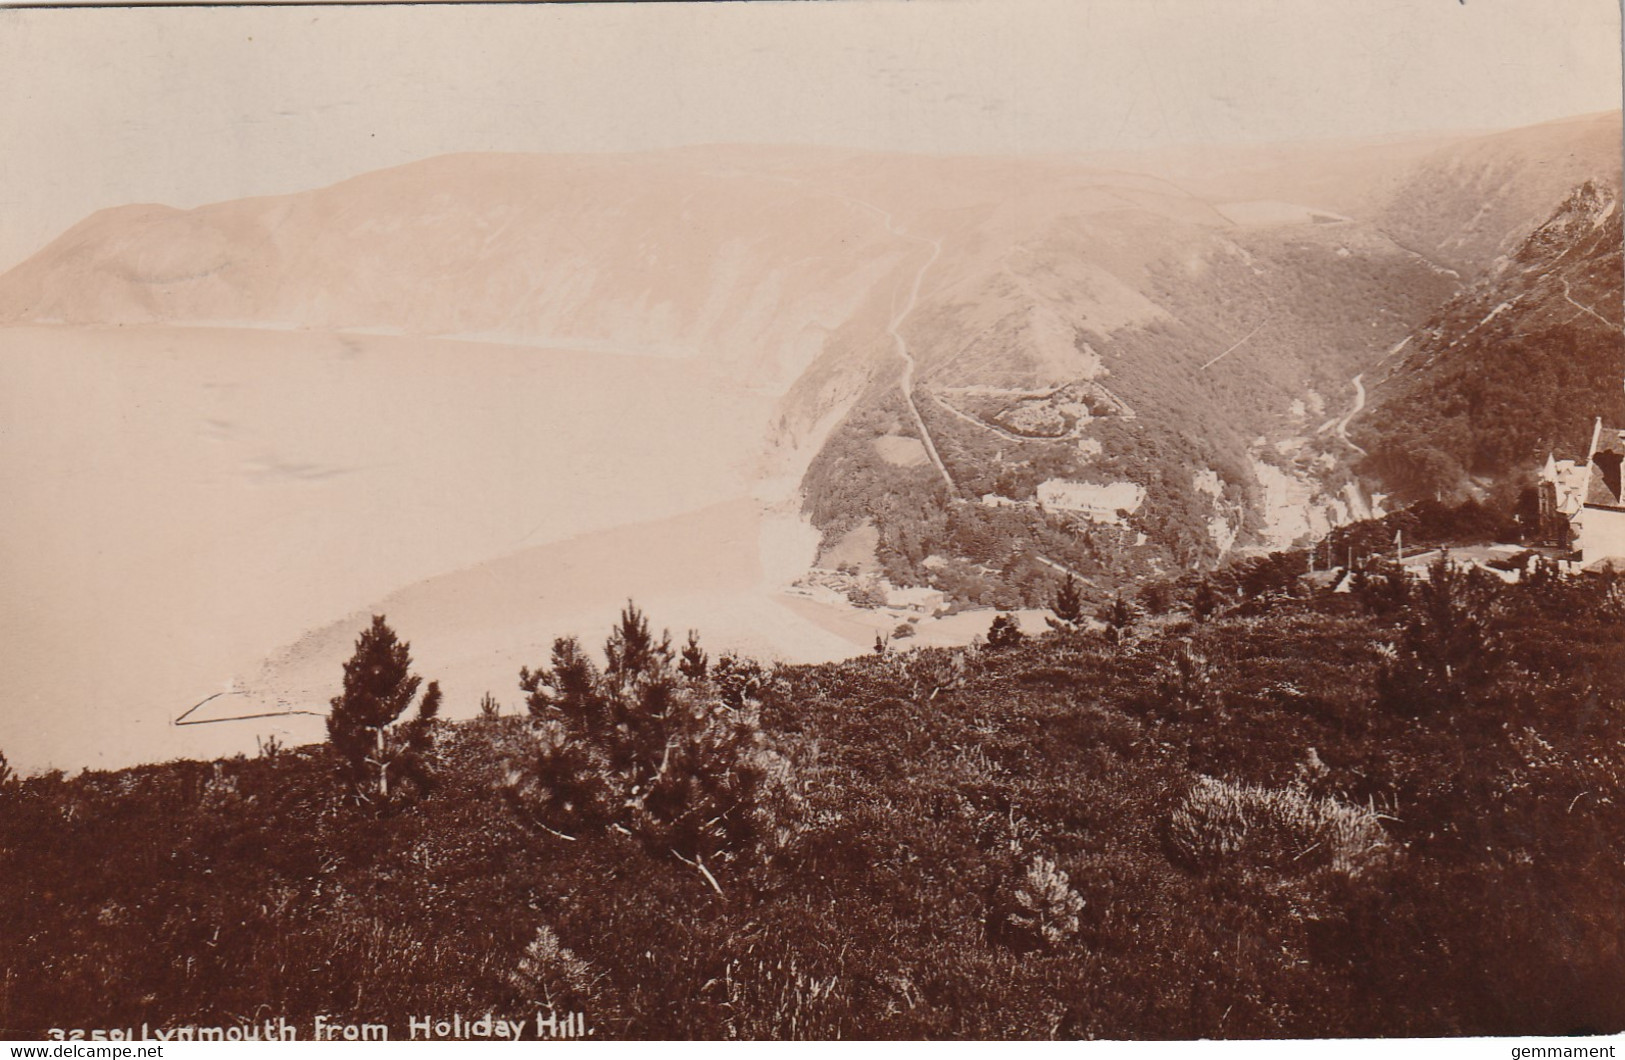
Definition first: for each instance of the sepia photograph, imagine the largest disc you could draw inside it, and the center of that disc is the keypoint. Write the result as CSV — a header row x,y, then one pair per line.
x,y
984,520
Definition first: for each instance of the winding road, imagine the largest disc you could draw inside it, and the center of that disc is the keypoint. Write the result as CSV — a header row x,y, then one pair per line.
x,y
990,428
1340,426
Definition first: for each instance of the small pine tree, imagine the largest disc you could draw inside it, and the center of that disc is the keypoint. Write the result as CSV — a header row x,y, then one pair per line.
x,y
568,690
378,688
550,976
680,763
739,680
6,773
1118,616
1041,908
695,662
1005,632
1067,607
1449,652
490,709
632,649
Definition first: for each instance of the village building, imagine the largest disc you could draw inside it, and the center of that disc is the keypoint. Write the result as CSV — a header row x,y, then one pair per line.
x,y
1582,505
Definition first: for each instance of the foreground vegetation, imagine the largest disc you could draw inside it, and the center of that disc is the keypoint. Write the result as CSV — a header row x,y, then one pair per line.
x,y
1394,811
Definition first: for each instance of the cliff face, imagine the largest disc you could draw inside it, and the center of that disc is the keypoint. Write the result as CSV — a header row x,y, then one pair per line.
x,y
1517,365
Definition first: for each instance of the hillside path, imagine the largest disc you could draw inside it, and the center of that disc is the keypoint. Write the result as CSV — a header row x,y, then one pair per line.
x,y
1063,568
1233,345
1586,309
906,382
973,421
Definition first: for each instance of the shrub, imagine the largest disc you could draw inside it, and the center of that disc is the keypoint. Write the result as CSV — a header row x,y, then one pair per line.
x,y
866,596
1067,607
1005,632
932,671
1448,653
1205,602
564,784
695,660
680,762
1280,828
739,680
1185,681
1118,616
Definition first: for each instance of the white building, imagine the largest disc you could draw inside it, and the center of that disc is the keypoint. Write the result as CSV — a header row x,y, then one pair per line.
x,y
1583,505
1101,503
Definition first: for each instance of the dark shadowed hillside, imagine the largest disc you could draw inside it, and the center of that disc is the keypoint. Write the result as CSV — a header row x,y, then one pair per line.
x,y
1517,366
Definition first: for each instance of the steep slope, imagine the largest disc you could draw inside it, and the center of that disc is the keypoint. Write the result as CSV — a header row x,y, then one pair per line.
x,y
1194,335
1516,366
1471,202
1461,200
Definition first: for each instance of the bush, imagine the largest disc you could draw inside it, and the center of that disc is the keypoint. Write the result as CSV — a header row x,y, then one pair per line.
x,y
679,762
1205,602
867,597
1005,632
1067,607
1280,828
1449,653
1040,908
1185,682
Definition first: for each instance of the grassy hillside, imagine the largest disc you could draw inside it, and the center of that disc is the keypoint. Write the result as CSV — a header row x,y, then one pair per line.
x,y
1392,812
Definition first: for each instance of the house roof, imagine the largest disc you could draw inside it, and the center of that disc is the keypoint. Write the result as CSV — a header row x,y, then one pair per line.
x,y
1604,487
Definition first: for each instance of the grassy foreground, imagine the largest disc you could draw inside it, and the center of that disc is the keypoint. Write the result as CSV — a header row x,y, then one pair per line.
x,y
1390,812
